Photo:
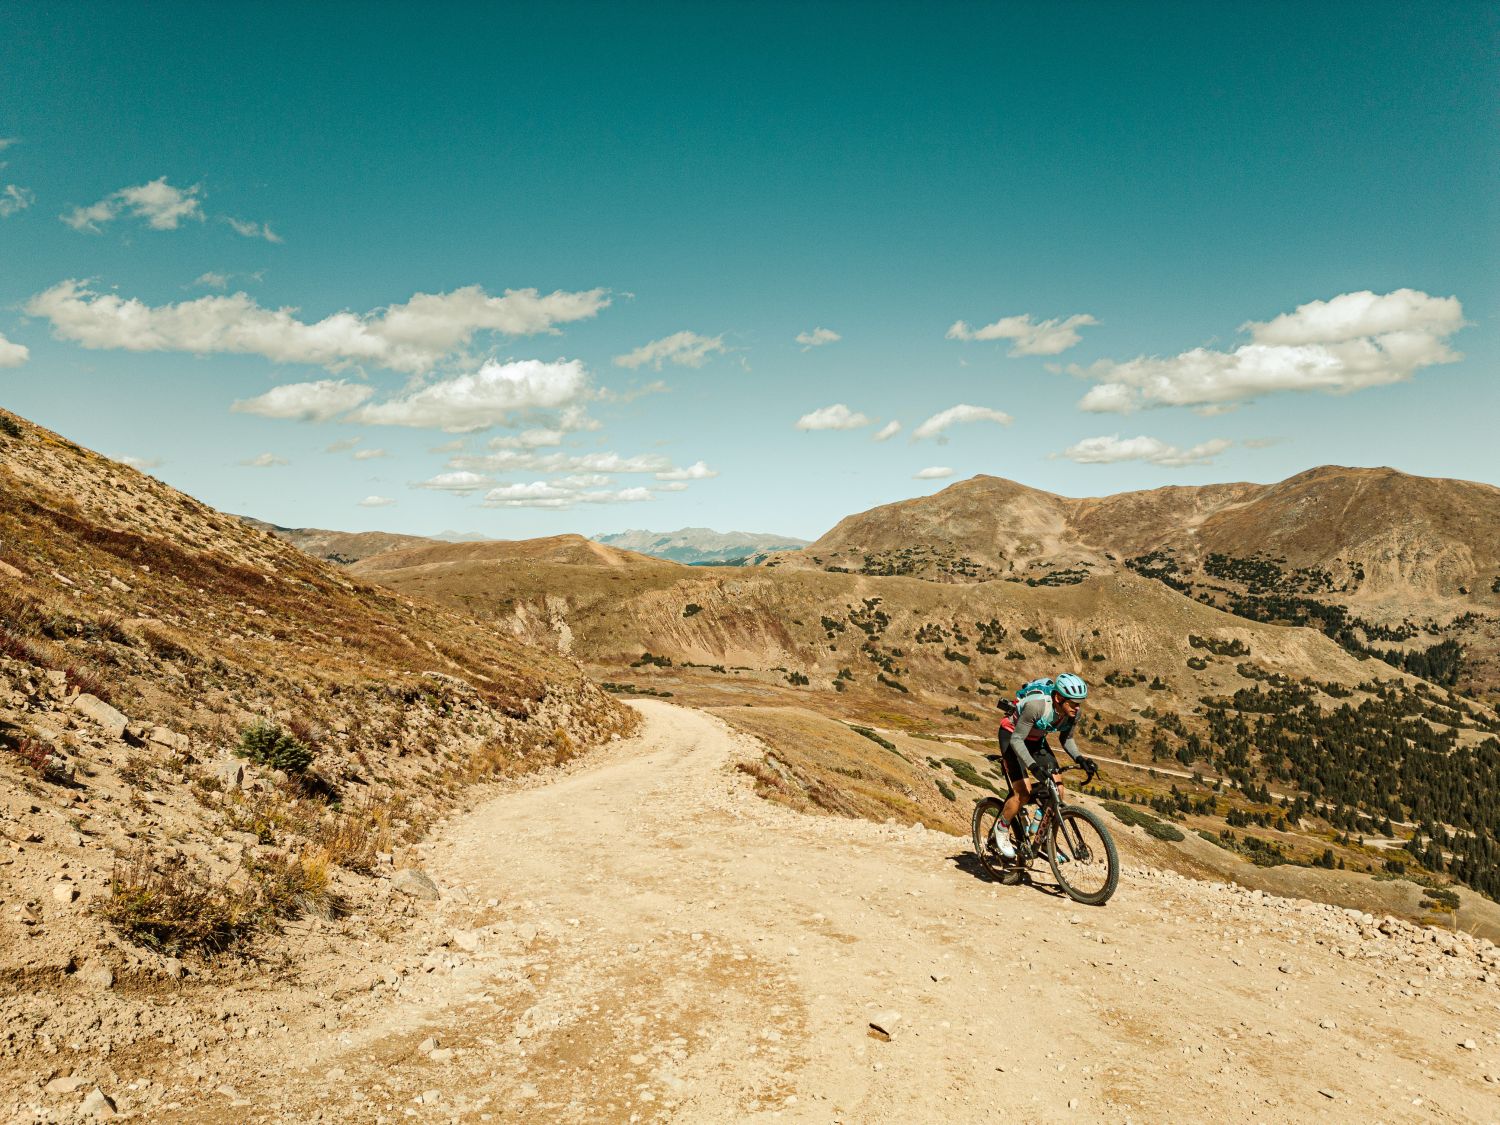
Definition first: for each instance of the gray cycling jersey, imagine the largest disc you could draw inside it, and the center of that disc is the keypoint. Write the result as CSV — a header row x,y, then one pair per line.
x,y
1036,709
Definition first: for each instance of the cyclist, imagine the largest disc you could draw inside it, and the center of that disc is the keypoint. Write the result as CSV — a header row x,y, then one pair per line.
x,y
1024,749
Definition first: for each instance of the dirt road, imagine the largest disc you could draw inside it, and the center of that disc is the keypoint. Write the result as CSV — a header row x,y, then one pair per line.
x,y
645,940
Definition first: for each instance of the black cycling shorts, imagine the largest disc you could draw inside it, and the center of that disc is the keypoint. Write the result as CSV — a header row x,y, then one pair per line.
x,y
1040,753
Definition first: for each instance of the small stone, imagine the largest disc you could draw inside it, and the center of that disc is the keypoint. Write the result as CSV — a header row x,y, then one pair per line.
x,y
441,1055
1468,1045
411,881
230,773
466,940
99,976
428,1045
64,894
1328,1025
1284,967
68,1085
1327,1093
112,721
97,1104
1072,1103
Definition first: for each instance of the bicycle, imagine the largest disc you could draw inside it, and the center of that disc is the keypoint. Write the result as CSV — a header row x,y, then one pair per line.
x,y
1078,847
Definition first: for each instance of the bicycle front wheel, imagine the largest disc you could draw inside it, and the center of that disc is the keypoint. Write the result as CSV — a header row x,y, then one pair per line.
x,y
1083,857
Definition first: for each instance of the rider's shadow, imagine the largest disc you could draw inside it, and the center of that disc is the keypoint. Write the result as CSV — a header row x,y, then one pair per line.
x,y
968,863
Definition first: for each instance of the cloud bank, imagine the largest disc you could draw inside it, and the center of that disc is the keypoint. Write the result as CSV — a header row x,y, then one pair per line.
x,y
412,337
1349,343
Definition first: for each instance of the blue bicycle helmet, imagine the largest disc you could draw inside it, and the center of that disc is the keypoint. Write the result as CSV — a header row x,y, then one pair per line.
x,y
1070,686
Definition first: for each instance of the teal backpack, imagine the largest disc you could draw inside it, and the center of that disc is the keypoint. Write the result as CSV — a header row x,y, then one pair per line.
x,y
1048,723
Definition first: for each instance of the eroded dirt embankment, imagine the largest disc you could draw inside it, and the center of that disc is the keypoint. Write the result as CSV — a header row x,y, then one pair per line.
x,y
645,940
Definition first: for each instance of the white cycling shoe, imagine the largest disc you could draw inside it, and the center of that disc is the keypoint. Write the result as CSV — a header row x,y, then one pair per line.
x,y
1001,842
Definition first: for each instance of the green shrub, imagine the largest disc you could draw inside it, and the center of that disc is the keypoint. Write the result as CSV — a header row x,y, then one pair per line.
x,y
966,772
268,745
944,790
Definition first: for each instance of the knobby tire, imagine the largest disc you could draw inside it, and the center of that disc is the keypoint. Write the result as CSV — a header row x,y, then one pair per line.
x,y
1066,836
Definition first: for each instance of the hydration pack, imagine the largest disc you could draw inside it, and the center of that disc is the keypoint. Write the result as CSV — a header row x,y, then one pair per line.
x,y
1046,723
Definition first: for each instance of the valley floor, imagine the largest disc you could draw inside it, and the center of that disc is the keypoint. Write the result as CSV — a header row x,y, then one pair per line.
x,y
645,940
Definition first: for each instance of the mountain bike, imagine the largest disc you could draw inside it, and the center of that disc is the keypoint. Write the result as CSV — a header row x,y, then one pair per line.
x,y
1077,846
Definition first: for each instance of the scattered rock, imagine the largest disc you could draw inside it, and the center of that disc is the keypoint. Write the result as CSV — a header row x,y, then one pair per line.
x,y
68,1085
1285,967
64,894
230,773
97,1104
441,1055
411,881
1468,1045
428,1045
102,713
466,940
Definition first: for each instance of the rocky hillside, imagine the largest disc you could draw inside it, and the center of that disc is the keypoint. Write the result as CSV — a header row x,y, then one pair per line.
x,y
702,545
1403,567
338,546
206,733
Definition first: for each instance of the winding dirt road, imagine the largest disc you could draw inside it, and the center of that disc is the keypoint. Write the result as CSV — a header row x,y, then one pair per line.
x,y
645,940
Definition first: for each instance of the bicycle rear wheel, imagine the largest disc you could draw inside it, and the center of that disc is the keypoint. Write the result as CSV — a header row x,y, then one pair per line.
x,y
981,828
1083,857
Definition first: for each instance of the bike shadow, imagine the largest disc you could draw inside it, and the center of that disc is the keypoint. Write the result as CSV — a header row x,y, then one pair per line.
x,y
968,863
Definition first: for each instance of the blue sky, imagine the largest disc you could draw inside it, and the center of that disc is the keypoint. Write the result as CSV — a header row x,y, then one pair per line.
x,y
524,270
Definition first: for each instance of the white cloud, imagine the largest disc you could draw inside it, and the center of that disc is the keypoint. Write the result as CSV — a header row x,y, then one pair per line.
x,y
671,486
158,202
509,461
343,445
888,431
369,454
1349,343
492,396
558,495
1047,337
817,338
528,439
306,402
376,502
1354,315
954,415
1111,449
935,472
13,354
449,446
462,482
211,280
140,463
13,199
685,349
835,417
412,337
696,471
252,230
264,461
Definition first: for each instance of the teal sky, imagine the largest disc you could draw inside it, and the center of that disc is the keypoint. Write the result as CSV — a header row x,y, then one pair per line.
x,y
1173,243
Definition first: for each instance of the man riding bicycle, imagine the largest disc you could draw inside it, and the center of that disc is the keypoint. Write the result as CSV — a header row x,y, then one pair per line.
x,y
1023,743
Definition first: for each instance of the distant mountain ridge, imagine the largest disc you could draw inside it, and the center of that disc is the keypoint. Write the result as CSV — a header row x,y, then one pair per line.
x,y
700,545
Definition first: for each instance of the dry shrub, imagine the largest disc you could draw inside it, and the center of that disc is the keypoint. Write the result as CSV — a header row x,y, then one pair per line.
x,y
287,885
32,753
86,680
175,910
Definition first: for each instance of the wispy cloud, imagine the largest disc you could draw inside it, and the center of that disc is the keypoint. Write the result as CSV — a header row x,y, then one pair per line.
x,y
817,338
934,472
461,481
696,471
835,417
1112,449
888,431
510,461
411,337
13,354
14,198
343,445
306,402
957,415
685,349
161,205
528,439
1349,343
264,461
376,502
1047,337
141,463
252,230
369,454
